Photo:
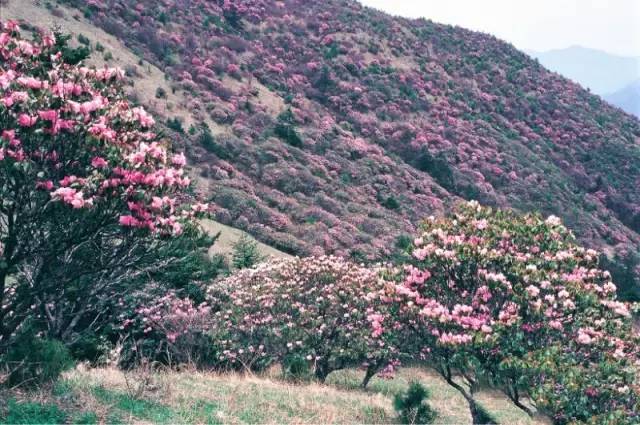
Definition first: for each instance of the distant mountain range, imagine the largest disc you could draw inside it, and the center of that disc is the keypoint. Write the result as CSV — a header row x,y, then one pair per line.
x,y
627,98
615,78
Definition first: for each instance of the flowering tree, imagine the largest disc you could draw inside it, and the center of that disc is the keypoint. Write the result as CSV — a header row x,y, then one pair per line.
x,y
513,300
323,309
88,192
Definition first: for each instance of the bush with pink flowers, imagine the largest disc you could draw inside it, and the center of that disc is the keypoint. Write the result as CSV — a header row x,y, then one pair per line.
x,y
512,300
170,329
325,310
90,196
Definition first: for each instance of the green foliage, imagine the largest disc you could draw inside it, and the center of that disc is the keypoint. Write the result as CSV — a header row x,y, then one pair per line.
x,y
34,360
324,82
175,124
86,418
391,203
34,413
140,408
82,39
70,55
332,52
437,167
295,367
246,253
161,93
622,268
285,129
208,142
411,405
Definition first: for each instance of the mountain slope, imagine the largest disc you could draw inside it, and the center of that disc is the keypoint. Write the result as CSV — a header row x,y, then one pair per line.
x,y
336,128
600,71
627,98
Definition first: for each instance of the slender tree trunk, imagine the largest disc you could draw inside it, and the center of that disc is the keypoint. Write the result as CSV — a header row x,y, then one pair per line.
x,y
514,396
3,284
370,373
476,413
322,371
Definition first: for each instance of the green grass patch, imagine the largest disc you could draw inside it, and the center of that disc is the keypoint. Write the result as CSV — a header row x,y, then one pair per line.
x,y
139,408
33,413
86,418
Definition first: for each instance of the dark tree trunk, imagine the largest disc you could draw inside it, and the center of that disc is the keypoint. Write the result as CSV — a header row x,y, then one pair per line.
x,y
514,396
3,284
322,371
477,415
370,373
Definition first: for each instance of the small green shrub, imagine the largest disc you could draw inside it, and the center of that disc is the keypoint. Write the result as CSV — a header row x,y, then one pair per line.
x,y
84,40
288,134
161,93
391,203
437,167
33,360
34,413
411,406
209,143
296,368
245,253
175,124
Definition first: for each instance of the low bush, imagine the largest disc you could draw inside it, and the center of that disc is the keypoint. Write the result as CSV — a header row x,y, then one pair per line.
x,y
411,405
246,253
33,360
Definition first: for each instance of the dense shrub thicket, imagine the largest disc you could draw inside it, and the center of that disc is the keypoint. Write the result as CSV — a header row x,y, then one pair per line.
x,y
327,102
485,297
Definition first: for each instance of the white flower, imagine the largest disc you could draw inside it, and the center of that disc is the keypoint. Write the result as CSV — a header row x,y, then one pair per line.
x,y
552,220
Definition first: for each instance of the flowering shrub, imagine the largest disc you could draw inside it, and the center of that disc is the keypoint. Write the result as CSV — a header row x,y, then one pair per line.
x,y
171,329
88,192
513,299
323,309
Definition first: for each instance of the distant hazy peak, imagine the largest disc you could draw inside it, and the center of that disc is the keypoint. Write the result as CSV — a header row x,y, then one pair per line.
x,y
598,70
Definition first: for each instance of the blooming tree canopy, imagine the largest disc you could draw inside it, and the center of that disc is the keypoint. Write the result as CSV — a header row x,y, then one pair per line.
x,y
324,309
515,300
79,166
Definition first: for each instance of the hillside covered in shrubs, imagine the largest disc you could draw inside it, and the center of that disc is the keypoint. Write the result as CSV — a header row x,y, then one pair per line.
x,y
104,261
335,127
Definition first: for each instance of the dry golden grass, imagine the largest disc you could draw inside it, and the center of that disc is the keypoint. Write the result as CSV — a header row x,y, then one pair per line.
x,y
200,397
229,236
237,398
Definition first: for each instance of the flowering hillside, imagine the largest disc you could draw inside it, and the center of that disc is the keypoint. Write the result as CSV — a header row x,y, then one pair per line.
x,y
334,127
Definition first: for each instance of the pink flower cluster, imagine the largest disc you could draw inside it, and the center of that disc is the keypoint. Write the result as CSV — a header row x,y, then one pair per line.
x,y
128,165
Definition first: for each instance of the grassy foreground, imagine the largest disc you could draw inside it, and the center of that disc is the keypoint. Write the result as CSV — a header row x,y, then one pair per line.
x,y
111,396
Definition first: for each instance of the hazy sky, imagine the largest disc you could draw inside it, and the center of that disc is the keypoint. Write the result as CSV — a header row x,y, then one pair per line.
x,y
610,25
